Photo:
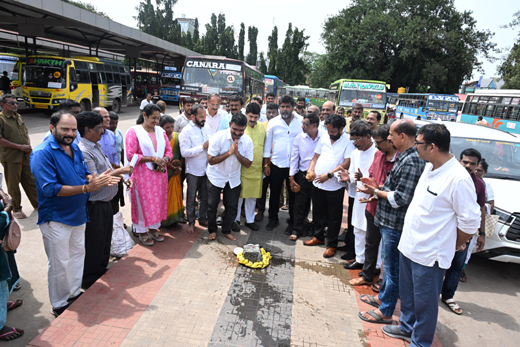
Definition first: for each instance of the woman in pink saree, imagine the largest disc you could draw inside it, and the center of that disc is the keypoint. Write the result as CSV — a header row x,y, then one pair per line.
x,y
148,152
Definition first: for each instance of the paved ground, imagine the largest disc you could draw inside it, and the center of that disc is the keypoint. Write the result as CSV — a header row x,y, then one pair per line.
x,y
188,291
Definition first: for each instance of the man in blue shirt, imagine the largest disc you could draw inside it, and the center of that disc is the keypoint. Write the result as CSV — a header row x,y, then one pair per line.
x,y
108,140
63,183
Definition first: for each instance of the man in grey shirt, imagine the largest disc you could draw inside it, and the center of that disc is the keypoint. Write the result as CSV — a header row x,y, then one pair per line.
x,y
98,230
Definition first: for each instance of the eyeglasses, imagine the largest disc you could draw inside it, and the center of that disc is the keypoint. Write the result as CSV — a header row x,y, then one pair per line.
x,y
12,103
416,143
379,142
356,140
306,124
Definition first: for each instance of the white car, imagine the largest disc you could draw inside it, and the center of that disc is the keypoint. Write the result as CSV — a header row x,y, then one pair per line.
x,y
501,150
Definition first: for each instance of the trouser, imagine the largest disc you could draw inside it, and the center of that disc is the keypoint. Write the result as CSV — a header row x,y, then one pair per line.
x,y
249,207
301,202
98,237
349,237
389,293
372,249
452,276
420,287
278,176
197,184
118,198
4,295
230,199
65,249
16,174
327,207
260,203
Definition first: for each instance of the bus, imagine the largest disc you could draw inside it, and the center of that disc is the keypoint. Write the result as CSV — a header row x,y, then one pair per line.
x,y
370,94
90,81
313,96
391,100
427,106
500,108
202,76
274,85
170,85
14,64
145,81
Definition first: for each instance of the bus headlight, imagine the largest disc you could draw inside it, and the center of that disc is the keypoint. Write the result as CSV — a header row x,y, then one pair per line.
x,y
57,101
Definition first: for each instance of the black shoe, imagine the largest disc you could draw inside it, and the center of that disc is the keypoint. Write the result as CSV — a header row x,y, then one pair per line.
x,y
353,266
273,223
342,248
219,221
348,256
395,332
57,311
376,273
288,230
252,226
236,227
342,237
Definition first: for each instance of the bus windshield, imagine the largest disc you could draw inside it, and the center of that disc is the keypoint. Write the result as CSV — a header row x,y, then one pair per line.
x,y
213,77
503,157
349,96
7,63
442,106
170,82
45,77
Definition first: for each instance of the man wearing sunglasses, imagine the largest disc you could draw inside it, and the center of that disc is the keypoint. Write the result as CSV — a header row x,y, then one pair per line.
x,y
15,151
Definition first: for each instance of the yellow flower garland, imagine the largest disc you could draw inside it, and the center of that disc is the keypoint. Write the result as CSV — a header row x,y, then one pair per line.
x,y
257,265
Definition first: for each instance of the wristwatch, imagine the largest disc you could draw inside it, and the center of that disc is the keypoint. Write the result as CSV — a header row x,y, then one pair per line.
x,y
481,233
329,175
375,194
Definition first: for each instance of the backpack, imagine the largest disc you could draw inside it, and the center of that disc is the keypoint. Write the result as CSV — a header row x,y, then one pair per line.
x,y
13,236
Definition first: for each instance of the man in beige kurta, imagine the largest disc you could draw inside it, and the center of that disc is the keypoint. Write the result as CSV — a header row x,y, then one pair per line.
x,y
251,178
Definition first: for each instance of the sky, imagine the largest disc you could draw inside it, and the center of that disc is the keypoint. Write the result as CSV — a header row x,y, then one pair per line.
x,y
305,14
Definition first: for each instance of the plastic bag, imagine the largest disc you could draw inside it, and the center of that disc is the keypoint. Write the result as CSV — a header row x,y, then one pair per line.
x,y
122,243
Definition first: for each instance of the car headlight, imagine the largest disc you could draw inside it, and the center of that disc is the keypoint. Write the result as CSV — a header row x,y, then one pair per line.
x,y
57,101
505,217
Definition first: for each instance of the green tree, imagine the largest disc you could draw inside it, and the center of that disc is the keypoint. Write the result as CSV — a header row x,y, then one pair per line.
x,y
272,51
188,40
86,6
241,41
290,64
509,69
263,65
211,37
252,33
197,47
407,43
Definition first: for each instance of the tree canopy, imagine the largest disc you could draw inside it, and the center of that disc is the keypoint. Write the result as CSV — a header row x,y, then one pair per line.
x,y
252,34
290,65
509,69
421,44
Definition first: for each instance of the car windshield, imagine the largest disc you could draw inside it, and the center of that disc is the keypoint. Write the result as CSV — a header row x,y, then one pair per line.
x,y
349,96
503,157
45,77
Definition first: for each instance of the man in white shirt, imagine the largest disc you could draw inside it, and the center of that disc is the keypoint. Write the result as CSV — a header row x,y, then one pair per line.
x,y
194,143
441,218
328,194
327,109
269,98
360,161
215,114
145,102
280,135
184,118
228,151
301,157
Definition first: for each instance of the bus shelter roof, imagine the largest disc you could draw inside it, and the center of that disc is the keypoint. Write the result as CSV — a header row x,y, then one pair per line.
x,y
67,24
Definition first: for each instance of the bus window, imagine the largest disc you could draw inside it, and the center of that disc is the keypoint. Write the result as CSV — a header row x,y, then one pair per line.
x,y
117,78
73,80
83,76
489,111
102,77
515,112
480,109
110,77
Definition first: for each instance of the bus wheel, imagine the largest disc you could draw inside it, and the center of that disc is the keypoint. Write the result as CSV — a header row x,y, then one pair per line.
x,y
116,106
84,105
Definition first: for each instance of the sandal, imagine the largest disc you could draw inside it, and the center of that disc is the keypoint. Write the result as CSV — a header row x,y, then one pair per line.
x,y
453,306
11,334
463,277
11,305
19,215
371,300
378,318
156,236
146,239
376,287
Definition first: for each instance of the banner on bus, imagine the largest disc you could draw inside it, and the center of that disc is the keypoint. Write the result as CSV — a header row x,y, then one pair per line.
x,y
363,86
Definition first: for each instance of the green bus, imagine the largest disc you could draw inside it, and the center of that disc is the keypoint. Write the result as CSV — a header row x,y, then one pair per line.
x,y
313,96
370,94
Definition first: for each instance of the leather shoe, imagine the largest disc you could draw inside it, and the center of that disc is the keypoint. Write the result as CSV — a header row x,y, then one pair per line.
x,y
329,252
313,242
273,223
353,266
259,216
349,257
252,226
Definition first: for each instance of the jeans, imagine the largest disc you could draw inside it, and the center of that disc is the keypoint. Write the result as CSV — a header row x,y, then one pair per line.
x,y
420,287
230,199
328,206
452,277
196,184
389,292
